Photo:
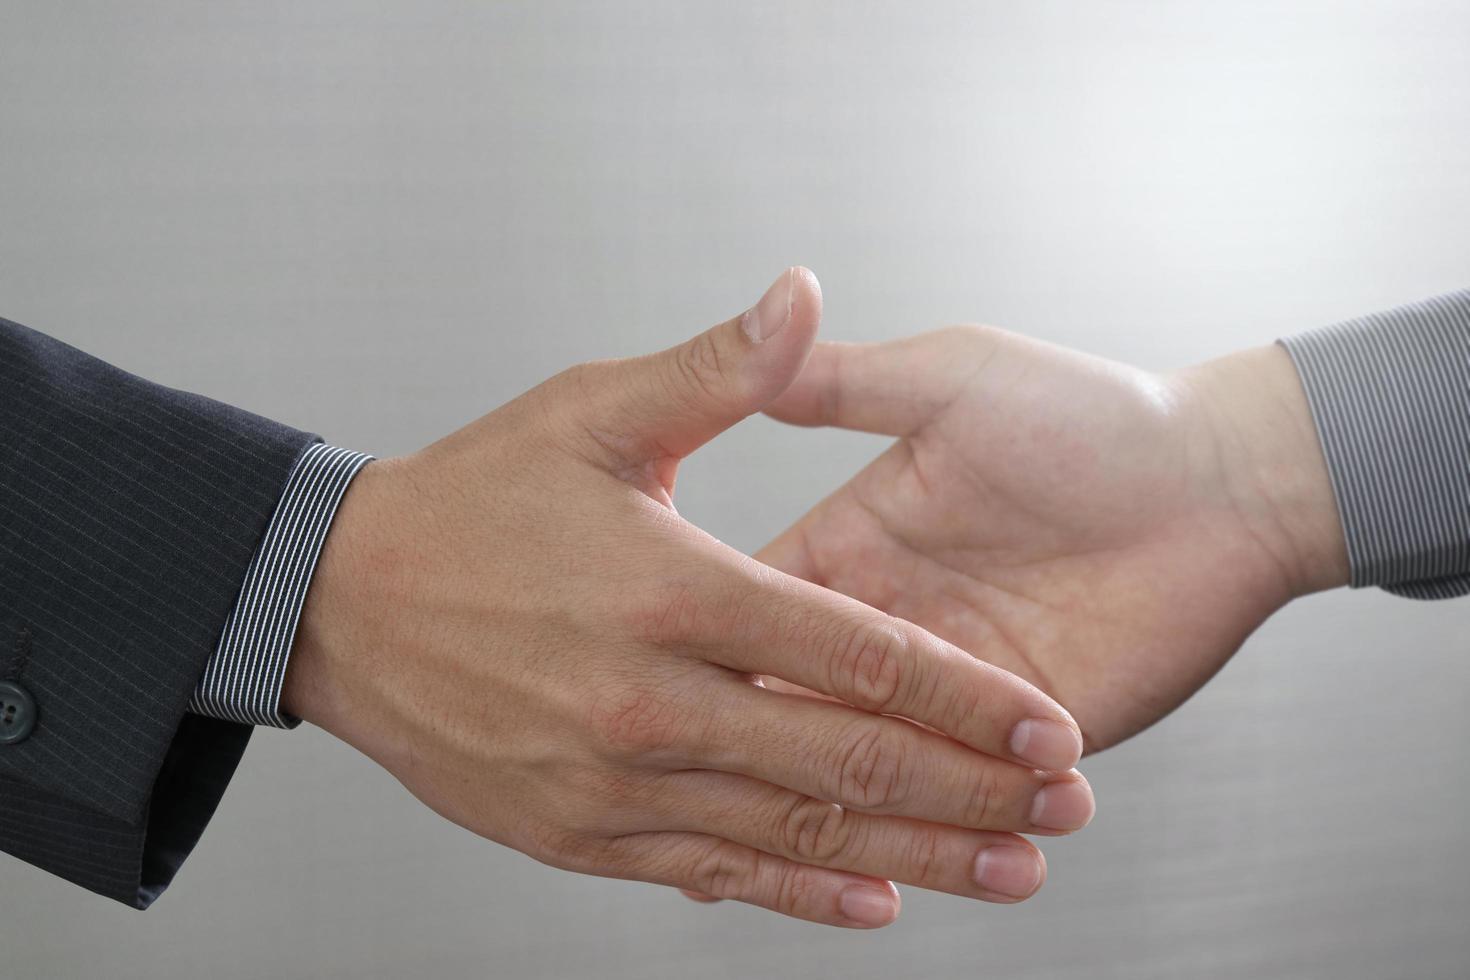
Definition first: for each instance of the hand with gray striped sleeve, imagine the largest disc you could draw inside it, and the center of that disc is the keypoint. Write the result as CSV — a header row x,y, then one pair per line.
x,y
517,624
1112,534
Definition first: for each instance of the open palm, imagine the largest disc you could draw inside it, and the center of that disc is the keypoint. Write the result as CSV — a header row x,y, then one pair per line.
x,y
1110,534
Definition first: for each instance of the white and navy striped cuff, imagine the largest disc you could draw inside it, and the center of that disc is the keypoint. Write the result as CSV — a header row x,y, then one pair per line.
x,y
243,680
1390,394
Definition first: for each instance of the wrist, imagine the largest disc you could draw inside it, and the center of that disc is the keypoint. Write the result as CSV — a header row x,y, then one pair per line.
x,y
1268,460
313,687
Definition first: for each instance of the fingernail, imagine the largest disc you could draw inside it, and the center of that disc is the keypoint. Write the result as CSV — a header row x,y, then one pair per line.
x,y
1046,744
867,906
1064,805
767,318
1006,870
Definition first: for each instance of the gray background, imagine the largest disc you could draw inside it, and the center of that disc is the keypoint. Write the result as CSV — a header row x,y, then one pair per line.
x,y
378,220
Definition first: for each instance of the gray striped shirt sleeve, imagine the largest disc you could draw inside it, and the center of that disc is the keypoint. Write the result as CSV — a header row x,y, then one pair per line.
x,y
243,679
1390,395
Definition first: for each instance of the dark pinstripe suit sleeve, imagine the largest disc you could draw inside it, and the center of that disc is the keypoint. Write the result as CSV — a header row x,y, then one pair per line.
x,y
1390,394
129,516
243,679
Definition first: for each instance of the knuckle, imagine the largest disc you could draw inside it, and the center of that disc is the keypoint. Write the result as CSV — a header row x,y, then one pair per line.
x,y
577,378
924,856
722,869
815,831
960,701
572,407
670,615
689,611
868,668
873,772
637,720
610,793
793,887
576,385
555,846
983,801
699,367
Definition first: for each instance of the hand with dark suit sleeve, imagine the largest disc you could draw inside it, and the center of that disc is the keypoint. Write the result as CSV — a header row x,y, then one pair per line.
x,y
1113,534
514,621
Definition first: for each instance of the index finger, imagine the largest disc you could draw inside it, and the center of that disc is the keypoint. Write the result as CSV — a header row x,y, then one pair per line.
x,y
779,625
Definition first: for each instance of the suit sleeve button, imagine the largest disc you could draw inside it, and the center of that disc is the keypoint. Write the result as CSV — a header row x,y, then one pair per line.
x,y
17,713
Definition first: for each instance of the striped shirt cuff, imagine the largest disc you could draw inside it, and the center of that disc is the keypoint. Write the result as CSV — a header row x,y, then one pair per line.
x,y
242,681
1390,395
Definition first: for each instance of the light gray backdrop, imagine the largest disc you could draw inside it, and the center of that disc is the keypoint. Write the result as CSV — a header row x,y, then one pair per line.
x,y
378,220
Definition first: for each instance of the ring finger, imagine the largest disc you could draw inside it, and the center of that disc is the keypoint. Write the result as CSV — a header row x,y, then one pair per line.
x,y
993,867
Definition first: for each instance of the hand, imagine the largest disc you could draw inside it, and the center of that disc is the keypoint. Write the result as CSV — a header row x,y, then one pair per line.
x,y
515,622
1110,534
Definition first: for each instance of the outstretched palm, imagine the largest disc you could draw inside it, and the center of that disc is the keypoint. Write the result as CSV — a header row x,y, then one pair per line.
x,y
1086,525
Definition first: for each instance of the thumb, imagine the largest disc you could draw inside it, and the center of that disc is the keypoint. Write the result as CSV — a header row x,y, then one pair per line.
x,y
667,405
890,388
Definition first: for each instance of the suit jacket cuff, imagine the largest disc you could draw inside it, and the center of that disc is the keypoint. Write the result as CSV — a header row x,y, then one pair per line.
x,y
1390,395
131,513
242,680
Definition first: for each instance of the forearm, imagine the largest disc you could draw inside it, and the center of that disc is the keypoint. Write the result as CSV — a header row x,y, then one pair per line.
x,y
1257,439
1347,448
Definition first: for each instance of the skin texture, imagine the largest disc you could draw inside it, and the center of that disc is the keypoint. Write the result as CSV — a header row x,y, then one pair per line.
x,y
516,623
1109,534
